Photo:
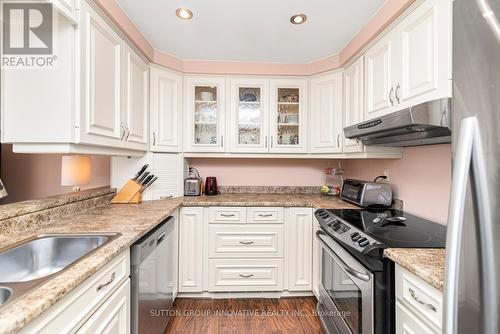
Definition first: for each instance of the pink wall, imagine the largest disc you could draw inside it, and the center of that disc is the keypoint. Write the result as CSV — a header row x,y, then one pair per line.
x,y
34,176
263,172
422,179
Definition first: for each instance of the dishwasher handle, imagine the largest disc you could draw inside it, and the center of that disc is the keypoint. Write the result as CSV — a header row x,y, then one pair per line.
x,y
160,238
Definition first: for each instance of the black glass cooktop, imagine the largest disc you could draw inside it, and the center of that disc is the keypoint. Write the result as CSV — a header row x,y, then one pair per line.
x,y
394,228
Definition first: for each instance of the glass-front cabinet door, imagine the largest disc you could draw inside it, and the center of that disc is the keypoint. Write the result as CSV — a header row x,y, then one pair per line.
x,y
288,115
249,115
205,114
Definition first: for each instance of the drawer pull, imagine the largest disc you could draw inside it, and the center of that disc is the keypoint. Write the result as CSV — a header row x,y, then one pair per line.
x,y
246,242
265,214
227,214
420,301
111,280
246,276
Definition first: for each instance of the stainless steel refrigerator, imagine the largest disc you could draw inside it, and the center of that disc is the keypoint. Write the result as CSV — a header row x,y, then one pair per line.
x,y
472,286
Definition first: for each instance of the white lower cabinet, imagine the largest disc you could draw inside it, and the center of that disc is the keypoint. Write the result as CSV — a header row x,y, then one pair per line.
x,y
228,275
101,304
255,241
299,249
316,258
419,306
245,249
191,245
113,316
408,323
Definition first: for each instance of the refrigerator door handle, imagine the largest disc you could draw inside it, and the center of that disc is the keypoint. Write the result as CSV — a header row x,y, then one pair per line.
x,y
461,169
485,234
469,161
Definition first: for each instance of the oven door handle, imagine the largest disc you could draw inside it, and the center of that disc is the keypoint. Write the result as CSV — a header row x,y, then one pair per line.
x,y
362,276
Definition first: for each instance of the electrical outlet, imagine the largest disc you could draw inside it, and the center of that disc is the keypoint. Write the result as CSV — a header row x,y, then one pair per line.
x,y
387,173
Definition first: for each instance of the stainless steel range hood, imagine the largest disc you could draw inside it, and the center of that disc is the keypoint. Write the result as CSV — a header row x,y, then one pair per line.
x,y
423,124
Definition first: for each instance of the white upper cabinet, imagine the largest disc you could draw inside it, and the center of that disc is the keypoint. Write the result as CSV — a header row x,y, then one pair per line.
x,y
136,100
68,8
325,115
166,110
426,53
101,119
288,110
353,101
411,64
205,112
94,101
115,87
248,115
379,93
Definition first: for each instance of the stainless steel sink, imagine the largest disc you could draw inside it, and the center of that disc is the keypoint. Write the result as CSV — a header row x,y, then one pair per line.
x,y
45,256
4,294
31,262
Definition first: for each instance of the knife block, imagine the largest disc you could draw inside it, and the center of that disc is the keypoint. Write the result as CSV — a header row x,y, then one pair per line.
x,y
129,194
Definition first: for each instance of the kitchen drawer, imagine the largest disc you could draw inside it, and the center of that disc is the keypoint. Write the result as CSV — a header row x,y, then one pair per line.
x,y
75,308
227,241
231,215
268,215
230,275
113,316
408,323
419,297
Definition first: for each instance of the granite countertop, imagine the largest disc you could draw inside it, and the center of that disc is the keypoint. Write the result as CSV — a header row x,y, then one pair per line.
x,y
428,264
132,221
26,207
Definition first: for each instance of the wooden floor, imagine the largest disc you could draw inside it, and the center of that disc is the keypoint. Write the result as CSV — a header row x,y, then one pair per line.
x,y
242,316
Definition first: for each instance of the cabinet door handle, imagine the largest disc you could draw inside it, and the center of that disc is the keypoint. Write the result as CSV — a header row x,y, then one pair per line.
x,y
420,301
272,141
396,93
265,142
122,132
390,96
265,214
227,214
154,138
221,141
246,242
111,280
128,133
338,140
246,276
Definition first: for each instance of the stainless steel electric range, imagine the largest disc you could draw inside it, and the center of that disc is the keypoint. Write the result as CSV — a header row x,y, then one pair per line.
x,y
356,294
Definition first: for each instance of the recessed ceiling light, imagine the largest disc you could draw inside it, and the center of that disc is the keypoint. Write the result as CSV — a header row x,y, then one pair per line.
x,y
184,13
298,19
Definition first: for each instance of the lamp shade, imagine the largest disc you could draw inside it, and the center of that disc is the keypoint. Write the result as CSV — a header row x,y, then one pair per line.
x,y
75,170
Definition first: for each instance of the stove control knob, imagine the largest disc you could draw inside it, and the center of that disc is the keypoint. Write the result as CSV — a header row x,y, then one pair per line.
x,y
355,236
363,242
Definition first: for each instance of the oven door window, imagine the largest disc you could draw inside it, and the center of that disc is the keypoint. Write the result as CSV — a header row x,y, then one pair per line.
x,y
342,290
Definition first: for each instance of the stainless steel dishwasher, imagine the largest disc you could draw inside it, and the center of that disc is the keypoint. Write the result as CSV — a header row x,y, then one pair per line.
x,y
151,268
